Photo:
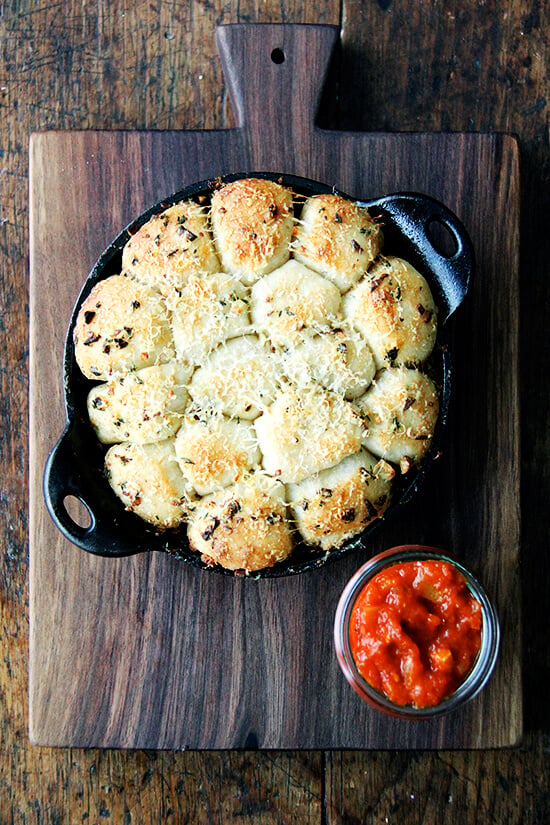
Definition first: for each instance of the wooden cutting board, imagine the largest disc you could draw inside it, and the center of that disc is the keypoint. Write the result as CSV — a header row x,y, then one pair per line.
x,y
147,652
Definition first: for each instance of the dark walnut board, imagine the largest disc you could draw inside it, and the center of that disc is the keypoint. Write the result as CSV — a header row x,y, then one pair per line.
x,y
148,652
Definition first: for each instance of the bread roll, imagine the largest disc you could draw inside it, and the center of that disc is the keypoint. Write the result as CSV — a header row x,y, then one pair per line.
x,y
393,307
122,325
240,378
336,504
170,247
148,480
338,359
214,451
243,527
305,431
336,238
206,312
400,412
252,221
291,302
142,406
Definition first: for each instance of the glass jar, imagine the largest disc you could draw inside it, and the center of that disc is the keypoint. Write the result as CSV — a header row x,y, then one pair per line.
x,y
482,667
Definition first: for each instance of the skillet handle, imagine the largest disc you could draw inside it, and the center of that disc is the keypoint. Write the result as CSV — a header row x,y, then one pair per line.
x,y
418,217
63,480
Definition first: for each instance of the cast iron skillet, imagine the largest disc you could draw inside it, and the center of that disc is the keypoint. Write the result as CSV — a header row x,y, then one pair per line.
x,y
75,465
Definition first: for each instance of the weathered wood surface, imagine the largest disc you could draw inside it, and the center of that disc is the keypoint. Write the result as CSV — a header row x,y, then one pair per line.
x,y
426,67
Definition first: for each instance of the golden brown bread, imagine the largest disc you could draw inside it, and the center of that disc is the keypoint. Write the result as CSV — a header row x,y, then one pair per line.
x,y
243,527
336,238
122,325
393,307
336,504
252,221
214,451
170,247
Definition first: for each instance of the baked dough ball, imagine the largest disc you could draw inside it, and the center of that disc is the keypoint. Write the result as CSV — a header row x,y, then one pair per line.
x,y
243,527
214,451
293,301
394,309
400,412
141,406
122,325
306,430
148,479
337,238
339,359
170,247
209,309
252,221
338,503
240,378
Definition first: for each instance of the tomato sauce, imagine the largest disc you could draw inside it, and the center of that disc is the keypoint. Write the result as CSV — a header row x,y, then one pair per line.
x,y
415,632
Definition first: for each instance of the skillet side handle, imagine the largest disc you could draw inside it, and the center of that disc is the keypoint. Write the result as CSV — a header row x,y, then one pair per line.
x,y
61,482
418,217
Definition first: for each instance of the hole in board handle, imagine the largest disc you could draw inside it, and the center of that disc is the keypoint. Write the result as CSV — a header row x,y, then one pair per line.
x,y
278,56
78,511
441,237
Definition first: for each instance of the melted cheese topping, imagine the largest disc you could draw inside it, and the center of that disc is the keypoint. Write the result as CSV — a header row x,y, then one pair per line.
x,y
336,238
214,451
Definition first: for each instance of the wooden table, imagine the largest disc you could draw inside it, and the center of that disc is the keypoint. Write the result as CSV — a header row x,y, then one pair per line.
x,y
464,67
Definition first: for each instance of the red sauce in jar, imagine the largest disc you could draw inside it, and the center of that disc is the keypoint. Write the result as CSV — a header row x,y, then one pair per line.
x,y
415,632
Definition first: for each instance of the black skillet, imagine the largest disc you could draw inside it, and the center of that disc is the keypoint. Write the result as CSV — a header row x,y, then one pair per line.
x,y
75,465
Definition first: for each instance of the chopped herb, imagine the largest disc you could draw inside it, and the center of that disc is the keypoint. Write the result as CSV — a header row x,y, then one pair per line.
x,y
91,339
89,316
391,355
377,281
207,534
186,233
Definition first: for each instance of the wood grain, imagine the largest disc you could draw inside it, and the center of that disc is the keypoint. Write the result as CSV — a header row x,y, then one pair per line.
x,y
238,662
80,65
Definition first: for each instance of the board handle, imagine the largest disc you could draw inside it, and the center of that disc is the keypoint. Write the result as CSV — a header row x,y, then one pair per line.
x,y
275,74
438,242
